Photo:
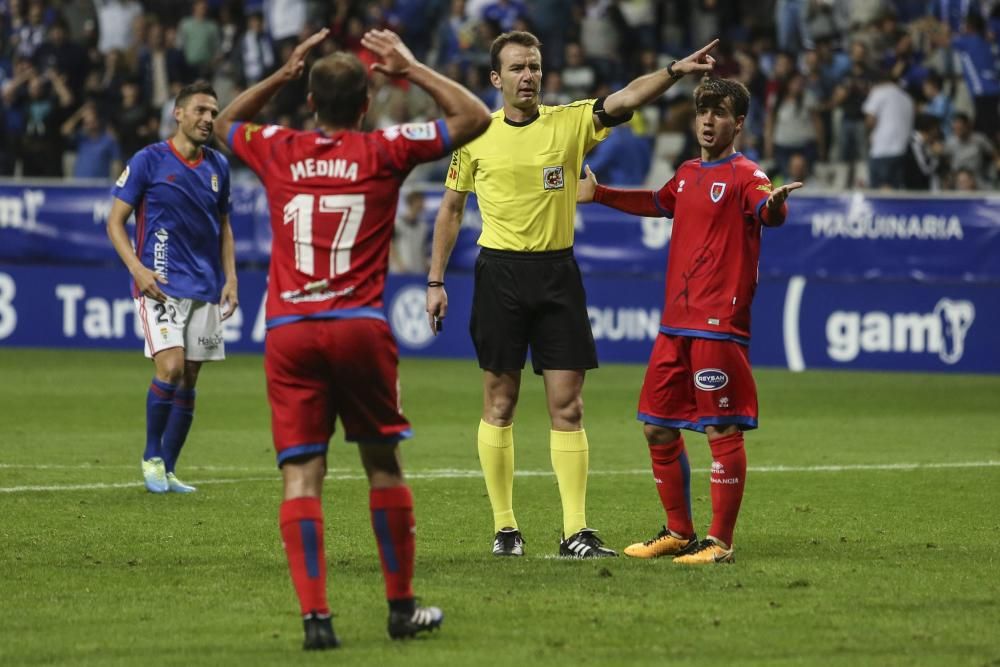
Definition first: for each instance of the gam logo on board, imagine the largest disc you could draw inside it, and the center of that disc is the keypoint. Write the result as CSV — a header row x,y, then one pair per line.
x,y
711,379
941,331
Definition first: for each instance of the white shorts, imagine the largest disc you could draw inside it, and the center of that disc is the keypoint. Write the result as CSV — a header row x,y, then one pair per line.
x,y
194,325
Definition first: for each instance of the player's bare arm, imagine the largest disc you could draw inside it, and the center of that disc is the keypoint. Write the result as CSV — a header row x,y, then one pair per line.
x,y
648,87
145,279
446,226
464,114
230,296
776,204
248,104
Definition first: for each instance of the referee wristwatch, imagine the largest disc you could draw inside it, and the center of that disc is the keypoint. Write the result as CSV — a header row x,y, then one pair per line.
x,y
676,76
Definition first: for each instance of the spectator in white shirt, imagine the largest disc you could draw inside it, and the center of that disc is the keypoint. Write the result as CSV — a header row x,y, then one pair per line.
x,y
889,114
114,23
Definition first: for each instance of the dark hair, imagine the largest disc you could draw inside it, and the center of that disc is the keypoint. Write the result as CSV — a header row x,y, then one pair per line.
x,y
713,92
975,22
339,87
962,116
925,122
197,88
512,37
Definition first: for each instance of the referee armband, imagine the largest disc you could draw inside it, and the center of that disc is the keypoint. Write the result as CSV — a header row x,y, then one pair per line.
x,y
607,120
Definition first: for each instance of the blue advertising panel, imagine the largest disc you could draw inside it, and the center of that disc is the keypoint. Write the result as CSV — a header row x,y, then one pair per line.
x,y
65,223
891,326
851,236
798,323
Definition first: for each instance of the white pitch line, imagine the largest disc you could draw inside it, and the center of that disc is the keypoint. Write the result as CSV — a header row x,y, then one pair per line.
x,y
123,466
120,485
446,473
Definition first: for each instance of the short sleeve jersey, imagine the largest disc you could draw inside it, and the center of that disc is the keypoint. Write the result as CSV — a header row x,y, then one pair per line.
x,y
525,176
714,246
178,216
332,201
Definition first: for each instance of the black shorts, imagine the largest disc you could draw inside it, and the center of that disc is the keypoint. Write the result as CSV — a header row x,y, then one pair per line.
x,y
530,298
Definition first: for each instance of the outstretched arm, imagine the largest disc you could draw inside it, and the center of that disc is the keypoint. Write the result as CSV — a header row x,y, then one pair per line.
x,y
648,87
464,114
249,103
636,202
775,210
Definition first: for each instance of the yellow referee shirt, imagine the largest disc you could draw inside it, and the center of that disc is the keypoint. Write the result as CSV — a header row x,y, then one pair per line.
x,y
525,176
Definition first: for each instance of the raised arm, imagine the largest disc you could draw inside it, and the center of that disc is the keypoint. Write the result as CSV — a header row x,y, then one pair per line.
x,y
145,279
248,104
446,226
648,87
69,125
464,114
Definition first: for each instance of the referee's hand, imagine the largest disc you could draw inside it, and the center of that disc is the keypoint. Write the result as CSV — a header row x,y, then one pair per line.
x,y
437,308
699,62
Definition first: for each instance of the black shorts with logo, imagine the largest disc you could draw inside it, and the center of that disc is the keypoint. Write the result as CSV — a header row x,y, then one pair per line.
x,y
530,298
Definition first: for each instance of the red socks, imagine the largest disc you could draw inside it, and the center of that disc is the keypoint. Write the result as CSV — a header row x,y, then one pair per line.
x,y
729,471
392,521
301,521
672,475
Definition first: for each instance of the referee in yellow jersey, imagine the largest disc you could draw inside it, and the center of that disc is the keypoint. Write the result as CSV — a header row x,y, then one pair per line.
x,y
528,290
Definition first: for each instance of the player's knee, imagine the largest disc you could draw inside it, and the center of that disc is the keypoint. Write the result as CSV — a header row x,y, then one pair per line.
x,y
304,477
660,435
499,409
567,415
170,373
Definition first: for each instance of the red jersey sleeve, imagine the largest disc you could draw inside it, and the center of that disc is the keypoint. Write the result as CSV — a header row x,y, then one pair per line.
x,y
254,143
756,190
409,144
665,198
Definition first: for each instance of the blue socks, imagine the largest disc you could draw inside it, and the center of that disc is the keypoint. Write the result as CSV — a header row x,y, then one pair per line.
x,y
159,403
178,426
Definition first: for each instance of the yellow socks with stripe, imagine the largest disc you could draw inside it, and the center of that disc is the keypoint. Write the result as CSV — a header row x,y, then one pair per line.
x,y
496,456
570,460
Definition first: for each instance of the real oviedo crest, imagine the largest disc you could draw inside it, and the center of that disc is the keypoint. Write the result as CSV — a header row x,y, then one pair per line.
x,y
215,183
718,189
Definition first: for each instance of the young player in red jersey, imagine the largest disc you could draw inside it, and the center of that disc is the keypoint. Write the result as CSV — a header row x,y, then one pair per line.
x,y
329,350
698,377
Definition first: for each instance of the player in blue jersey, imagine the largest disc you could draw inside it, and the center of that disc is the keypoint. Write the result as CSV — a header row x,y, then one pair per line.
x,y
183,270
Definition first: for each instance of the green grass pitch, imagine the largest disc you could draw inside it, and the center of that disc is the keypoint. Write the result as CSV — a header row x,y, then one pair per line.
x,y
869,532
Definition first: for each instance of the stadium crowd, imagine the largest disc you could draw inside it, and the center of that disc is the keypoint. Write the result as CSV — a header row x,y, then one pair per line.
x,y
899,94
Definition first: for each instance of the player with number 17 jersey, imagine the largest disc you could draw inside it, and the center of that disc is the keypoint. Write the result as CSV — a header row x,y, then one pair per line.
x,y
332,200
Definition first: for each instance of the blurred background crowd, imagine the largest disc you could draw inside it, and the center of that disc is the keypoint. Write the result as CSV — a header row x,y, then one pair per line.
x,y
896,94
